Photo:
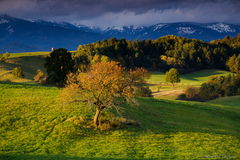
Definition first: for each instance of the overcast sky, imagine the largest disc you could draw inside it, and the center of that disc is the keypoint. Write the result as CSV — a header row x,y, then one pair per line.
x,y
124,12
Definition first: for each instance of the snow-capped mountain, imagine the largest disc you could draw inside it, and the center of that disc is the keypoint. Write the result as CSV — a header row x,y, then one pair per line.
x,y
221,27
18,35
201,31
37,35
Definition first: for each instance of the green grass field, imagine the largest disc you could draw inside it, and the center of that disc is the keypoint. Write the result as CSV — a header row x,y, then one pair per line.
x,y
27,54
34,125
194,78
29,65
228,101
190,79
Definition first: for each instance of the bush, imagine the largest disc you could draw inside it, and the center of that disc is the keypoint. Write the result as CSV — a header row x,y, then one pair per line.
x,y
159,86
7,54
142,92
7,80
181,96
218,86
40,77
17,72
205,90
1,57
230,91
191,92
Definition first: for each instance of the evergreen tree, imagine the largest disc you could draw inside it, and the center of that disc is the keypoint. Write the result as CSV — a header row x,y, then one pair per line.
x,y
58,65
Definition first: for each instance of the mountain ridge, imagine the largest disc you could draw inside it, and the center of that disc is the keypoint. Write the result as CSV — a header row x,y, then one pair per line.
x,y
44,35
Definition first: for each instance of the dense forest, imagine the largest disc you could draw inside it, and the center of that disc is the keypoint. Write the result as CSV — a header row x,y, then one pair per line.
x,y
167,52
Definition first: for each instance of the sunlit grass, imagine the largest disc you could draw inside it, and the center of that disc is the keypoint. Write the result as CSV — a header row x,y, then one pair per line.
x,y
229,101
194,78
29,66
34,125
12,55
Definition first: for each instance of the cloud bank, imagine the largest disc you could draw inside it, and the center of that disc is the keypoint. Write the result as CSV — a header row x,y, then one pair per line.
x,y
124,12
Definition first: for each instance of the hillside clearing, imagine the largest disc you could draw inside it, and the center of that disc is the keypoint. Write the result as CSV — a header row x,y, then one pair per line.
x,y
194,78
34,125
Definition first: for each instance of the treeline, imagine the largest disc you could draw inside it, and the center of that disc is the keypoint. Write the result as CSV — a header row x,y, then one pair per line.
x,y
214,87
167,52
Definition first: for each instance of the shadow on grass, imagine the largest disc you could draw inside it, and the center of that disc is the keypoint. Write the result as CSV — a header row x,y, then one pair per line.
x,y
18,83
194,76
23,84
52,157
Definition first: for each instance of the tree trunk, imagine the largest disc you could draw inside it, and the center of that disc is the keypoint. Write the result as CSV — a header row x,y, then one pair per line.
x,y
173,85
96,122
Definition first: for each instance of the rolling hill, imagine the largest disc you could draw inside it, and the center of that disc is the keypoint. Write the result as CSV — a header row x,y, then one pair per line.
x,y
35,124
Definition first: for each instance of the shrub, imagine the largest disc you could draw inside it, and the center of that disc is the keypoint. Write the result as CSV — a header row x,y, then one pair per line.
x,y
142,92
238,91
213,95
191,92
218,86
40,77
7,54
205,90
17,72
231,90
181,96
1,57
7,80
159,86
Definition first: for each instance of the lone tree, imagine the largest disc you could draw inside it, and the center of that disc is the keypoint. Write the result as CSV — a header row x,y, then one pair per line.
x,y
7,54
17,72
58,65
104,85
172,76
1,57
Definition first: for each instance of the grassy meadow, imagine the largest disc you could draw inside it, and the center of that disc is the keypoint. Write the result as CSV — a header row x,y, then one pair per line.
x,y
193,79
28,54
35,124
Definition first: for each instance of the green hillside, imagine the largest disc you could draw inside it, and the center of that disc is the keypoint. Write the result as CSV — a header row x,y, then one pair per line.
x,y
34,124
228,101
29,64
28,54
194,78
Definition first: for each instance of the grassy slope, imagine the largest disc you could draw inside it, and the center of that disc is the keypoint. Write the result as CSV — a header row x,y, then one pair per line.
x,y
195,78
29,64
190,79
34,125
228,101
12,55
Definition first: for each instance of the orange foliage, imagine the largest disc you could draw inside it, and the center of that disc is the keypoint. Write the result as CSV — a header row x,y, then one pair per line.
x,y
103,82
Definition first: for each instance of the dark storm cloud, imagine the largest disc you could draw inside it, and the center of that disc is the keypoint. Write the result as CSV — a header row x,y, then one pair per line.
x,y
124,12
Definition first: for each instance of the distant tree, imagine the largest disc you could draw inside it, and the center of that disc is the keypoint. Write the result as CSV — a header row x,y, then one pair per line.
x,y
159,86
1,57
58,65
172,76
17,72
106,84
7,54
40,77
238,35
233,63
